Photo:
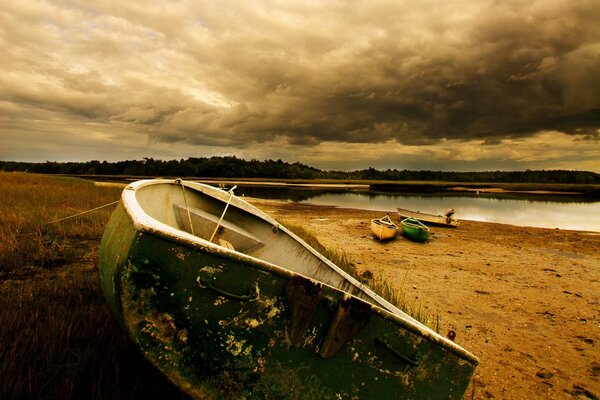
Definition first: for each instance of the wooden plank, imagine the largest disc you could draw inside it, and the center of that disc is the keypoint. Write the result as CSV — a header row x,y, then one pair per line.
x,y
303,297
351,316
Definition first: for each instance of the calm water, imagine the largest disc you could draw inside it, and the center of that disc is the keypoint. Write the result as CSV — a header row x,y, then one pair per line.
x,y
558,211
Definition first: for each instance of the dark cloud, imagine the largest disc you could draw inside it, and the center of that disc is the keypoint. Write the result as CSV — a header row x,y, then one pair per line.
x,y
242,75
498,73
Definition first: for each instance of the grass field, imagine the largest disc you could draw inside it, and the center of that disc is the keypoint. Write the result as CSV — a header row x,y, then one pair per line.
x,y
58,339
28,202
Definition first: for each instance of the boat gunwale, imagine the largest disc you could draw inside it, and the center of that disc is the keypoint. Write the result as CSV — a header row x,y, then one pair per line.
x,y
385,221
144,223
410,224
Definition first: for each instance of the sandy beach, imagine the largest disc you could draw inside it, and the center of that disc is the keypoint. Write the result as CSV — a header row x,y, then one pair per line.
x,y
525,300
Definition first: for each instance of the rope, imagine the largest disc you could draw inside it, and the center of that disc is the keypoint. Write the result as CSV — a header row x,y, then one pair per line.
x,y
84,212
186,206
222,215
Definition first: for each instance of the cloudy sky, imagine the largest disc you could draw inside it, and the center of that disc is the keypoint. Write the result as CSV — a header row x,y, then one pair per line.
x,y
450,85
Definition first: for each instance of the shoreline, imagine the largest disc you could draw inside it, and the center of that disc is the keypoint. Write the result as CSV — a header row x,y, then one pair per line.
x,y
575,189
500,190
366,210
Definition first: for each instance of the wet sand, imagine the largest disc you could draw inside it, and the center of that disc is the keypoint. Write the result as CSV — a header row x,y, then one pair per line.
x,y
525,300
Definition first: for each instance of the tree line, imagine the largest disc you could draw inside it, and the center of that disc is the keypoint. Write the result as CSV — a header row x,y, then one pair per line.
x,y
233,167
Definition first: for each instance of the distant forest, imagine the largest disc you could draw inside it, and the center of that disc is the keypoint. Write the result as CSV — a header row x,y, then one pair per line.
x,y
233,167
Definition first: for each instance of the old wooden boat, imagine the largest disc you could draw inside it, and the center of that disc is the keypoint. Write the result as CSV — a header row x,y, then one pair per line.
x,y
230,304
384,228
414,230
447,219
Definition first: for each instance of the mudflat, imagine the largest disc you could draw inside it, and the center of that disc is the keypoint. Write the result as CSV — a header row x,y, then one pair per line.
x,y
525,300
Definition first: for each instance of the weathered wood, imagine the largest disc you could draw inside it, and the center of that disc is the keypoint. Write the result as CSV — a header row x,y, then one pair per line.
x,y
446,220
303,297
205,225
351,316
384,228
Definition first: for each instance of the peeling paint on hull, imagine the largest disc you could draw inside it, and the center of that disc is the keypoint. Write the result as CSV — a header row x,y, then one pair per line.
x,y
222,329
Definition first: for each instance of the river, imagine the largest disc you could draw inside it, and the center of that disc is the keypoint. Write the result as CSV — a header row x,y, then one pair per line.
x,y
545,211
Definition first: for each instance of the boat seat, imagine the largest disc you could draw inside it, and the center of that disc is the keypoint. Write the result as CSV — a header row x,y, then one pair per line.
x,y
204,224
225,243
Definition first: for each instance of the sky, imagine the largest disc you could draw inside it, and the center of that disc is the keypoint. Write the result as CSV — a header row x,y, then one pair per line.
x,y
444,85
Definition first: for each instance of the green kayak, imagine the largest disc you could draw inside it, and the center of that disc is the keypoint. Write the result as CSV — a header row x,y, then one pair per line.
x,y
229,304
414,230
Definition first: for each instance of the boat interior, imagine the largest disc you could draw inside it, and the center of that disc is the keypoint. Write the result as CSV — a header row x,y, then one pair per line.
x,y
228,221
385,221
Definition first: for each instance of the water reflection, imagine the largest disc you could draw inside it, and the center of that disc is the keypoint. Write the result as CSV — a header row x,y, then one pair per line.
x,y
547,211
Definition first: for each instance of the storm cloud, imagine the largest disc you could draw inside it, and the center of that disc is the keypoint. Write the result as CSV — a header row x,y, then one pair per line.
x,y
302,76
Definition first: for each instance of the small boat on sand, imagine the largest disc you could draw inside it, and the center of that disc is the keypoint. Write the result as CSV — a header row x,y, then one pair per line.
x,y
384,228
447,219
414,230
227,303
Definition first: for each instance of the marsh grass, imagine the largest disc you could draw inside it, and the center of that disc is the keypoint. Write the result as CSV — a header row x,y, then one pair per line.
x,y
338,257
398,297
58,338
29,201
60,341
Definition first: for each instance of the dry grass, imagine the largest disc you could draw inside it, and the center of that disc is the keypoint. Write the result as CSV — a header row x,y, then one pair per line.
x,y
339,258
60,341
397,296
58,338
29,201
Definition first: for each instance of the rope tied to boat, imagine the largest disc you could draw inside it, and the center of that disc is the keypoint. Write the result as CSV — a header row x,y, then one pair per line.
x,y
230,191
83,212
180,181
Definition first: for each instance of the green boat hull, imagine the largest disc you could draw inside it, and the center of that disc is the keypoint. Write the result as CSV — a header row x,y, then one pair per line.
x,y
222,328
414,231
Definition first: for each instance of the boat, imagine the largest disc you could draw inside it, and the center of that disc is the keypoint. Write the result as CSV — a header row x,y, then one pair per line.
x,y
384,228
414,230
447,219
228,303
